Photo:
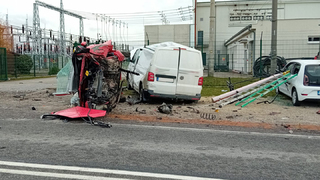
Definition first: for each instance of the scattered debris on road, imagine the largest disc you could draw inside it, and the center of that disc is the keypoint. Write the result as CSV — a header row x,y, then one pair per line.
x,y
142,111
274,113
286,126
290,131
164,108
208,116
19,96
194,110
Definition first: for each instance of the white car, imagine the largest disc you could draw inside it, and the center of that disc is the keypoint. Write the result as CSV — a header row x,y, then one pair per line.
x,y
306,85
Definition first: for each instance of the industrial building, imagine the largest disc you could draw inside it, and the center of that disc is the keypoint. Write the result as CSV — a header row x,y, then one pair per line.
x,y
241,26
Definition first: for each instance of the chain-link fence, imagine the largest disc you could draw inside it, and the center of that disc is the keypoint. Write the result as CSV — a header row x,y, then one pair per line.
x,y
248,59
28,66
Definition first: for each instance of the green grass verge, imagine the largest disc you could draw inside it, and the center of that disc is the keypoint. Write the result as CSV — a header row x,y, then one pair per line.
x,y
213,86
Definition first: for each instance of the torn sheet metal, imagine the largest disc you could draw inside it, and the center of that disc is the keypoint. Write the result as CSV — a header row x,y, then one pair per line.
x,y
77,112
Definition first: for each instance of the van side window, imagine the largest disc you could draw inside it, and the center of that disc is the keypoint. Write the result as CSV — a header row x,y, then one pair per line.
x,y
136,56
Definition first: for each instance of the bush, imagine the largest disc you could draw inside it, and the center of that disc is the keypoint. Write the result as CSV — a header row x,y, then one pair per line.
x,y
24,64
53,70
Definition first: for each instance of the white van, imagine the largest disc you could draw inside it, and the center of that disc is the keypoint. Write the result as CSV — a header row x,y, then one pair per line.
x,y
167,70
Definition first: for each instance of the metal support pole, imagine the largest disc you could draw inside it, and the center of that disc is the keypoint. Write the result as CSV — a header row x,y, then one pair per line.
x,y
81,28
195,24
212,37
34,66
274,36
261,56
62,30
319,47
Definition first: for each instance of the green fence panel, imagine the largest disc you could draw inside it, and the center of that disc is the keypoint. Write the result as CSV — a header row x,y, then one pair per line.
x,y
3,65
222,63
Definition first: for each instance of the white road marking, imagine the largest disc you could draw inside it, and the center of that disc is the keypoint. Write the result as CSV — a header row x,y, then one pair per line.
x,y
56,175
96,170
223,131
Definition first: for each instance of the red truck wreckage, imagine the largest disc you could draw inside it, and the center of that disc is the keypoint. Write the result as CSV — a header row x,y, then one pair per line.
x,y
96,82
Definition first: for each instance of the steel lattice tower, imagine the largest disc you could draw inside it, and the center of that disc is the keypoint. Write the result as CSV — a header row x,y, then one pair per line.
x,y
36,27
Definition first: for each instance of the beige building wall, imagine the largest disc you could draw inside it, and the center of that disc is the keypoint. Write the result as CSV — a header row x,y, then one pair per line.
x,y
163,33
297,21
293,37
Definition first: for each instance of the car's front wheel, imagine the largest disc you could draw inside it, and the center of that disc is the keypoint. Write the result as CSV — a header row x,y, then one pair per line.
x,y
294,96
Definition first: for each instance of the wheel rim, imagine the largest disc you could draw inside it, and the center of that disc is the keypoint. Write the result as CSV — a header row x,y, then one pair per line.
x,y
294,97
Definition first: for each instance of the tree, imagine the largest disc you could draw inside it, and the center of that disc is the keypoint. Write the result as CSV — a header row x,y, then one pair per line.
x,y
24,64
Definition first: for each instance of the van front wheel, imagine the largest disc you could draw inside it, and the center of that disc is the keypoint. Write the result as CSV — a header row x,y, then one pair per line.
x,y
128,83
142,95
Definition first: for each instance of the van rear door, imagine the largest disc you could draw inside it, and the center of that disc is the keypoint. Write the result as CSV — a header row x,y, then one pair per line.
x,y
165,71
190,70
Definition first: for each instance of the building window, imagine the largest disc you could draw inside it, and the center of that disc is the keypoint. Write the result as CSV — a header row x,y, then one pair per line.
x,y
258,18
246,18
200,38
235,18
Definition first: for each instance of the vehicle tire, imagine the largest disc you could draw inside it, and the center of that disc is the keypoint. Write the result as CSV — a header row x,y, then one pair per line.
x,y
142,97
294,97
128,84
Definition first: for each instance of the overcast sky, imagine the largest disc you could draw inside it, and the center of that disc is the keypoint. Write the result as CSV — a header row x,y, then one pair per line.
x,y
18,11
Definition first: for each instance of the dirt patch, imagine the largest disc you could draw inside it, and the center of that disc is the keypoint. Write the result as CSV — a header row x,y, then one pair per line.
x,y
264,115
25,103
146,118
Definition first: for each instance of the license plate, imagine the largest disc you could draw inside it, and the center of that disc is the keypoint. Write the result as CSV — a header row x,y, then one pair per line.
x,y
168,80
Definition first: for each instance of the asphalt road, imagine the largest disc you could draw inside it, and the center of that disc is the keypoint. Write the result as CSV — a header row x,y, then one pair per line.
x,y
53,149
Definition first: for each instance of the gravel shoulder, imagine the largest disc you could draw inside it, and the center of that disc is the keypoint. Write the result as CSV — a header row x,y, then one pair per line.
x,y
19,96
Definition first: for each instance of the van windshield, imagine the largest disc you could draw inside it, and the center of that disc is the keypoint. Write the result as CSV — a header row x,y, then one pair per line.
x,y
312,75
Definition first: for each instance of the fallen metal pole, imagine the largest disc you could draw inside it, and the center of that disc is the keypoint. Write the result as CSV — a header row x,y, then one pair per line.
x,y
245,88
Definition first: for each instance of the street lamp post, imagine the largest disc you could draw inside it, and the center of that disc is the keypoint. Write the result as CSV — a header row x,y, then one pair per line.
x,y
319,42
